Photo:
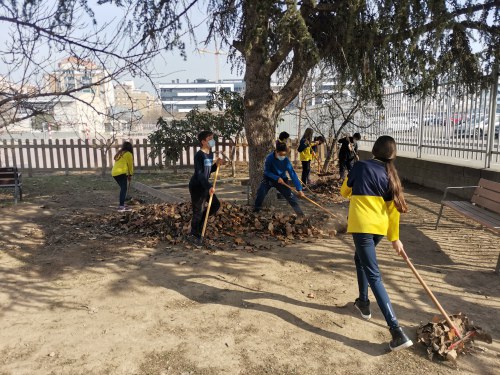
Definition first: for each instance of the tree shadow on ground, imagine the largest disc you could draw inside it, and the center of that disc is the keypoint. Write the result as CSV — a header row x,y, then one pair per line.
x,y
41,260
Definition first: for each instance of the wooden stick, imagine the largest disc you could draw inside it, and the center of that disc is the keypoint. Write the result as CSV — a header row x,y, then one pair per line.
x,y
209,204
128,189
313,202
429,292
307,187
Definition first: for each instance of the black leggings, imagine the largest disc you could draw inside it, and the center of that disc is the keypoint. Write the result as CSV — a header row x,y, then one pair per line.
x,y
198,199
306,169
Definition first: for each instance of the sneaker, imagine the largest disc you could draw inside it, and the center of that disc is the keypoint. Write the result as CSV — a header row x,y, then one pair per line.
x,y
399,339
363,308
194,240
123,209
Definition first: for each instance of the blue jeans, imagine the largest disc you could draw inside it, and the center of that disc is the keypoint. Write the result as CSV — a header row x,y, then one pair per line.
x,y
264,188
369,274
122,181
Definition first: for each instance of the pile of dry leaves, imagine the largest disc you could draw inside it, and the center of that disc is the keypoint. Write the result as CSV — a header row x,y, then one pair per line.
x,y
328,186
442,341
171,222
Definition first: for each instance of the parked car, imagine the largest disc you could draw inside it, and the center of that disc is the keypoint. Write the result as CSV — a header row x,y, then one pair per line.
x,y
434,121
475,125
401,124
443,119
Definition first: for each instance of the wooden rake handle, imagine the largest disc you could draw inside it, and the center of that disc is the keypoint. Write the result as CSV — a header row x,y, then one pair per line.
x,y
431,295
313,202
210,203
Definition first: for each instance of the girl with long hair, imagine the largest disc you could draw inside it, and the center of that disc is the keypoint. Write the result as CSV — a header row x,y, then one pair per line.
x,y
122,171
376,201
306,153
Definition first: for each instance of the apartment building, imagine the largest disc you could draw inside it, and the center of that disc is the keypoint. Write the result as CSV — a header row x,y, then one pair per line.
x,y
184,96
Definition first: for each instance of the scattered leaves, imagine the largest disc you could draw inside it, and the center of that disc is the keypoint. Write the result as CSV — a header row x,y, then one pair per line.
x,y
442,341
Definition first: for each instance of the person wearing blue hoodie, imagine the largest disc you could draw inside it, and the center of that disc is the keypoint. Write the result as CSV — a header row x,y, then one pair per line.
x,y
275,176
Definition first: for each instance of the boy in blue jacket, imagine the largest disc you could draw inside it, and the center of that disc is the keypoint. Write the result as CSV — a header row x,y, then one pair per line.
x,y
275,169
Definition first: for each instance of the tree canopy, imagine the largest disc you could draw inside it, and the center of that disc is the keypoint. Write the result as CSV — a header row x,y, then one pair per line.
x,y
224,117
370,43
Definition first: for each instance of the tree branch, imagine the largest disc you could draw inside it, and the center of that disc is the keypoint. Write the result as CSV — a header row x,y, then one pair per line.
x,y
432,25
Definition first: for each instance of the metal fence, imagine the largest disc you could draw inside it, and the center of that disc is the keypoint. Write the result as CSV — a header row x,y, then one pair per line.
x,y
448,126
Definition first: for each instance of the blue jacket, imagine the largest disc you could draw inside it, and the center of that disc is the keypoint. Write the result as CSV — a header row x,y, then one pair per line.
x,y
275,168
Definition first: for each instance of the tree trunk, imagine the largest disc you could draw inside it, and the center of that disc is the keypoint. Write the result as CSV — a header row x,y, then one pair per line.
x,y
331,152
232,150
260,128
260,125
262,105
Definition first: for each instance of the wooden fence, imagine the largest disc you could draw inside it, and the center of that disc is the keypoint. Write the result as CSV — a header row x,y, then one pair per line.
x,y
79,155
97,155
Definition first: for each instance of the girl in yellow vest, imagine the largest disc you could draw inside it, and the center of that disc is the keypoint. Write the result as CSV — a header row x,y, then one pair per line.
x,y
123,170
306,153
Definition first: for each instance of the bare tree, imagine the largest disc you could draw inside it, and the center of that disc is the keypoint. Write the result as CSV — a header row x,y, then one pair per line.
x,y
332,108
38,33
370,44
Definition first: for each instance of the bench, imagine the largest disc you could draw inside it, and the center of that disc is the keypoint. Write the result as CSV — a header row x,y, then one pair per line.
x,y
484,206
11,178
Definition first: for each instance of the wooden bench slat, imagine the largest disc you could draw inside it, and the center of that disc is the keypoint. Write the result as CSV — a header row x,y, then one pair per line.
x,y
11,178
11,181
487,203
486,193
469,207
484,207
476,213
490,185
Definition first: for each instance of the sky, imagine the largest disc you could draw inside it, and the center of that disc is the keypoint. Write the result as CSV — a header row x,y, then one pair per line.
x,y
170,65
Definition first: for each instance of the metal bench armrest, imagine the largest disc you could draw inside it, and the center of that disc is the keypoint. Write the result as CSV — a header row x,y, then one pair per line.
x,y
456,187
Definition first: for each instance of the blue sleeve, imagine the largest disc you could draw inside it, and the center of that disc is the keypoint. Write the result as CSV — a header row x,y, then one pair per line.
x,y
302,145
268,170
293,176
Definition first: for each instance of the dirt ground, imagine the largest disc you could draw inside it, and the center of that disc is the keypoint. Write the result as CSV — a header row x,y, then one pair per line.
x,y
73,302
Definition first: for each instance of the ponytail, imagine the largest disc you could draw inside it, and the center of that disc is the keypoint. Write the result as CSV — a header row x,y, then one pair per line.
x,y
396,187
119,154
126,147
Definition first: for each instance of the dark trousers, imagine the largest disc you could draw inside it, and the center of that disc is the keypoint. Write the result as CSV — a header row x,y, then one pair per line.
x,y
122,181
368,273
264,188
306,169
199,197
345,165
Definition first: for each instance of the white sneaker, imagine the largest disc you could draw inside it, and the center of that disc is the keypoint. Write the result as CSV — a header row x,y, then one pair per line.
x,y
123,209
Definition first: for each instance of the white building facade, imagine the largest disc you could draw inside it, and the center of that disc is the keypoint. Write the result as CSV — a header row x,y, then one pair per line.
x,y
183,97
